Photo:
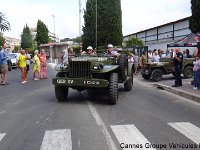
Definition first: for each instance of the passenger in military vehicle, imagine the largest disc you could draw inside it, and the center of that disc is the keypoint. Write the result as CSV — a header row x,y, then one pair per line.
x,y
111,52
143,59
188,53
71,53
89,50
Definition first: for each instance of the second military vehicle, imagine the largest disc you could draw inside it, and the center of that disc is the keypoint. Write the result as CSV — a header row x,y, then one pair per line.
x,y
156,70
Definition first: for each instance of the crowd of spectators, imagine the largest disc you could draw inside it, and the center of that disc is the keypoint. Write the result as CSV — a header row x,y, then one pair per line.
x,y
23,63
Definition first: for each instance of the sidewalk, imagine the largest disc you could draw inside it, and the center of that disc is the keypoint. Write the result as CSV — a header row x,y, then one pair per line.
x,y
185,91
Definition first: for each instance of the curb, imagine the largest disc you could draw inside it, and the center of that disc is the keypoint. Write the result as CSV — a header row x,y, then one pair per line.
x,y
182,93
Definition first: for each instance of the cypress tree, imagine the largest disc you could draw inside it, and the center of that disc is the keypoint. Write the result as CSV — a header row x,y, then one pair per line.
x,y
26,38
89,27
194,20
42,36
109,20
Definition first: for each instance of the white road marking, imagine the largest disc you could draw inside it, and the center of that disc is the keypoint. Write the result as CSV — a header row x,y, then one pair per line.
x,y
57,140
189,130
2,136
129,134
99,121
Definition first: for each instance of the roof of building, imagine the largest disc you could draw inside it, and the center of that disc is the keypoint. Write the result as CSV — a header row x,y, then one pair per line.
x,y
57,44
183,19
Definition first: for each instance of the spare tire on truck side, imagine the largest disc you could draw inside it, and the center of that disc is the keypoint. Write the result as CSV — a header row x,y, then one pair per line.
x,y
128,85
123,67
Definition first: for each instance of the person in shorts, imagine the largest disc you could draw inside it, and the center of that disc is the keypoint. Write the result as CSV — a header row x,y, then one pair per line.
x,y
3,65
22,66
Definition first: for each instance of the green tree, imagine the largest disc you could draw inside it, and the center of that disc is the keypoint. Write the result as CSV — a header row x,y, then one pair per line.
x,y
2,40
194,20
134,41
78,39
16,48
4,24
89,25
42,36
109,23
26,38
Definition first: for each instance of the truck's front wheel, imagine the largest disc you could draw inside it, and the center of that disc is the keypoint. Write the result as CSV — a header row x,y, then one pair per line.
x,y
113,88
61,92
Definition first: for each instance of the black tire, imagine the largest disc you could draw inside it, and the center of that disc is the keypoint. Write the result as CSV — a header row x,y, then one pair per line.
x,y
9,65
61,92
156,75
113,88
146,77
60,74
123,67
188,72
128,85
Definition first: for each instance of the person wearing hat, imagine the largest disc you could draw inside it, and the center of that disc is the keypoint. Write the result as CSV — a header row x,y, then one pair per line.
x,y
89,50
110,50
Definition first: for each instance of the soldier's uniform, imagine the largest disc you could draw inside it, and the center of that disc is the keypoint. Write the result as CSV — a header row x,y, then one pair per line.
x,y
178,69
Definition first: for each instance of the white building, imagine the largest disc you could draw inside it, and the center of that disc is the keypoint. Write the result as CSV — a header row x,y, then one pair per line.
x,y
158,37
33,32
12,42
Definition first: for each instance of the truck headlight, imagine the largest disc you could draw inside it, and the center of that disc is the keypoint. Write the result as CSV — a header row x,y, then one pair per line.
x,y
99,67
146,71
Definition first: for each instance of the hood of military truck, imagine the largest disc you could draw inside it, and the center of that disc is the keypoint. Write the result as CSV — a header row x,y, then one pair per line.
x,y
91,59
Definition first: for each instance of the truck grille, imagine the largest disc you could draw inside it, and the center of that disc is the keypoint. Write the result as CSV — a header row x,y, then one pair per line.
x,y
79,69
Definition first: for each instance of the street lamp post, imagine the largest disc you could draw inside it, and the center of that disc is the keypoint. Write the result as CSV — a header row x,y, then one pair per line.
x,y
96,25
51,46
54,28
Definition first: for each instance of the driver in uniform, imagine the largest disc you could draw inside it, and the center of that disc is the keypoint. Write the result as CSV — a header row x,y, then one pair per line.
x,y
178,65
111,52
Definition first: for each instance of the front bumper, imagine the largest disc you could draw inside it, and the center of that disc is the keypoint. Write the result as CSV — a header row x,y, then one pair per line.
x,y
80,82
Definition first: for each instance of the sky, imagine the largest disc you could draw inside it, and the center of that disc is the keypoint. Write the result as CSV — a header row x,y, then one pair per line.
x,y
137,15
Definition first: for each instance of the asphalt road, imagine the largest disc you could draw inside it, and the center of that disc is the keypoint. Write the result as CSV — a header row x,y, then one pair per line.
x,y
32,119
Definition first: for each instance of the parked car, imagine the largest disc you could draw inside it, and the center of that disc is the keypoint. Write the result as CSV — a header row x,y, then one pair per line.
x,y
12,58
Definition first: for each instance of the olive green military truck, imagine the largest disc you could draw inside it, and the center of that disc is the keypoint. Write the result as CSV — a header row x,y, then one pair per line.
x,y
155,71
94,72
